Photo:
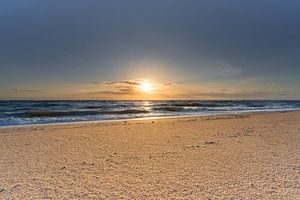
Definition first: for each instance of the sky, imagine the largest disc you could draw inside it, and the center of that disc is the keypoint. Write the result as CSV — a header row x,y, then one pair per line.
x,y
183,49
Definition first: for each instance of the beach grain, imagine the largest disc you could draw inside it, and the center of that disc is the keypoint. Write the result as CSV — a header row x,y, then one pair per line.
x,y
244,156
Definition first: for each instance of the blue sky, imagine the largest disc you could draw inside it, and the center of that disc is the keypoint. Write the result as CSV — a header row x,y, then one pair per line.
x,y
203,49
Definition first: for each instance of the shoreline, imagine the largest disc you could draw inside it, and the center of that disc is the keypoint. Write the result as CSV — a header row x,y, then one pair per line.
x,y
148,118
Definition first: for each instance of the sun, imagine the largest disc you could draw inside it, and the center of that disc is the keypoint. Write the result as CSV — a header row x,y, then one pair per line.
x,y
146,87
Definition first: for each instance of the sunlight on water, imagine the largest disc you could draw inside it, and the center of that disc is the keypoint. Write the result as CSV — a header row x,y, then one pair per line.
x,y
44,112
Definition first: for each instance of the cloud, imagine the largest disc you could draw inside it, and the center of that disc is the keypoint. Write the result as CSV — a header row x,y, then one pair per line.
x,y
121,93
123,82
67,54
24,90
96,82
116,88
63,53
242,94
253,79
126,82
230,71
224,90
224,68
124,89
105,92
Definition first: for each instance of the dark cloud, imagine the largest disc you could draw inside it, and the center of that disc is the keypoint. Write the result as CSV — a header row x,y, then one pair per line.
x,y
133,82
126,87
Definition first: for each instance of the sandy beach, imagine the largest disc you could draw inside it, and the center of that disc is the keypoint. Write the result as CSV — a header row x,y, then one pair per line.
x,y
245,156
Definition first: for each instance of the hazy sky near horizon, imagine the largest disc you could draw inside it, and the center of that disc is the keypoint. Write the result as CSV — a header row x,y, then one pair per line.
x,y
189,49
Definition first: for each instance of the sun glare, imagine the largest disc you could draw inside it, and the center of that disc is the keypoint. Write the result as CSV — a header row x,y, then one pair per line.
x,y
146,87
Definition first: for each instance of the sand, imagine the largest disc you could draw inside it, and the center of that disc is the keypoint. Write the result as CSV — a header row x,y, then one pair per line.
x,y
246,156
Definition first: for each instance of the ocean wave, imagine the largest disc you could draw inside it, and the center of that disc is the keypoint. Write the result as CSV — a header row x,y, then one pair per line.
x,y
94,107
37,112
77,113
104,106
199,104
169,108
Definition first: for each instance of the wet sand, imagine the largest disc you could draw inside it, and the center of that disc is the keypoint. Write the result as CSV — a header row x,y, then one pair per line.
x,y
245,156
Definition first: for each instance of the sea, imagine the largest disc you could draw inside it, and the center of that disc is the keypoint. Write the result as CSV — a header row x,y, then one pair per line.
x,y
15,113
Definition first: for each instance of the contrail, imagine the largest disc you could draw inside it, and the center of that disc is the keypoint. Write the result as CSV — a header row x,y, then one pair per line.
x,y
67,54
60,52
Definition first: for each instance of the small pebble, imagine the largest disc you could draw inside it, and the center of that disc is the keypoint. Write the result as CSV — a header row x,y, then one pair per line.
x,y
210,142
